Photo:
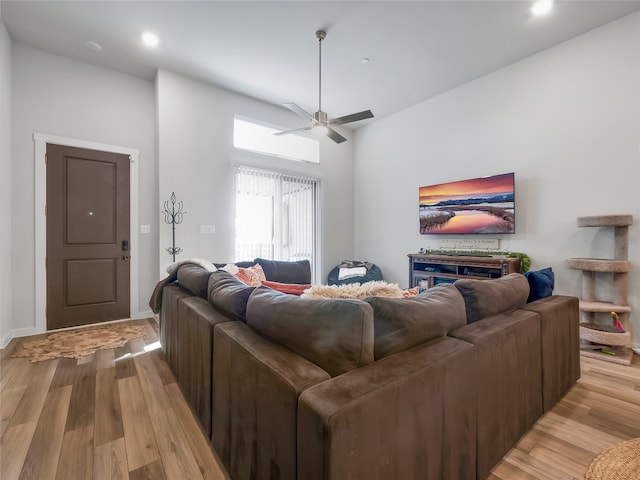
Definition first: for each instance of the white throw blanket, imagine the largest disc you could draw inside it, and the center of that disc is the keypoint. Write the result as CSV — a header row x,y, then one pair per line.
x,y
354,290
351,272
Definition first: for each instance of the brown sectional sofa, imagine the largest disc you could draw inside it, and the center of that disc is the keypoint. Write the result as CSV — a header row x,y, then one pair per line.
x,y
294,388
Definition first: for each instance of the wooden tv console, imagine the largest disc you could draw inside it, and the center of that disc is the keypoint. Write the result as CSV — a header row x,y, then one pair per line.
x,y
428,270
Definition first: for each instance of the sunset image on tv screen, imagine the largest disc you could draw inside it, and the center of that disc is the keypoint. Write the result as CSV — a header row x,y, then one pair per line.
x,y
479,205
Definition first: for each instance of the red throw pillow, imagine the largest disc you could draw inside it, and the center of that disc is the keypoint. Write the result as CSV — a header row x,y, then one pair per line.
x,y
252,276
291,288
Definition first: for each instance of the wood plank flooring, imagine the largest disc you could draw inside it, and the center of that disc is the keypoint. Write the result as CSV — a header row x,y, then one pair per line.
x,y
602,409
115,415
119,414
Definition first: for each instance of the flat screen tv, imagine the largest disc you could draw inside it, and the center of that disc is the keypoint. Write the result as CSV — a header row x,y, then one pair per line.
x,y
477,205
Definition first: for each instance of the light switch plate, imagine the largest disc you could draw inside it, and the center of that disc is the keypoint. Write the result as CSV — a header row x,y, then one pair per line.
x,y
145,228
208,229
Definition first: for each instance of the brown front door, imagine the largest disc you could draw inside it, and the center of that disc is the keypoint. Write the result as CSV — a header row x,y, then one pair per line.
x,y
87,236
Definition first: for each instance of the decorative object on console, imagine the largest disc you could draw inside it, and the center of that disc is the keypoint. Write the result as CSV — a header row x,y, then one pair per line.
x,y
610,343
525,261
478,205
173,217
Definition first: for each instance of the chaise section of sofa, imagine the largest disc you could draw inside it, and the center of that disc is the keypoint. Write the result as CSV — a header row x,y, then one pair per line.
x,y
560,344
508,373
411,414
520,373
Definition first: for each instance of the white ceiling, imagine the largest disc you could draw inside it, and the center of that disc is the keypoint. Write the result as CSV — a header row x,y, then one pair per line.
x,y
267,49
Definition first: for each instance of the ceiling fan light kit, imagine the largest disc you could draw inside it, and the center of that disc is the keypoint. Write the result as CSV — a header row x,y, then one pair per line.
x,y
320,122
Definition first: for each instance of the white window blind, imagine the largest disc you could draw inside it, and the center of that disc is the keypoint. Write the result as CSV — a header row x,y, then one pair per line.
x,y
276,215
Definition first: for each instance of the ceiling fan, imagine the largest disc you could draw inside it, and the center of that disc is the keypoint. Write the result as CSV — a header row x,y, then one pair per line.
x,y
320,122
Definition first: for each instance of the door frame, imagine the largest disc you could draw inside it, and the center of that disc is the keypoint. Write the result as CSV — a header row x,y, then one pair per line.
x,y
40,141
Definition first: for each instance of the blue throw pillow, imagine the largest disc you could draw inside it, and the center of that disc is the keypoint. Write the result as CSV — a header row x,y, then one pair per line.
x,y
540,283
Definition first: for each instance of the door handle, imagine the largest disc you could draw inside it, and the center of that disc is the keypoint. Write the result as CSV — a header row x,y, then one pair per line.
x,y
125,257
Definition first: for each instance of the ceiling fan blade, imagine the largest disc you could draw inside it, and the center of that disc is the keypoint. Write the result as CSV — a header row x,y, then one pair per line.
x,y
298,111
335,136
302,129
354,117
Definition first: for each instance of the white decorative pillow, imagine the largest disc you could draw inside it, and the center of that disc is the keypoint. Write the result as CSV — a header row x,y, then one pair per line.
x,y
206,264
231,268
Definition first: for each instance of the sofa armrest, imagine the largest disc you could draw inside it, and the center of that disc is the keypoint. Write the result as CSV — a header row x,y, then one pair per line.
x,y
560,336
256,385
409,415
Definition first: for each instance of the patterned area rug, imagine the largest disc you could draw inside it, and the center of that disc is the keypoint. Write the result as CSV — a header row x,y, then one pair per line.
x,y
619,462
78,343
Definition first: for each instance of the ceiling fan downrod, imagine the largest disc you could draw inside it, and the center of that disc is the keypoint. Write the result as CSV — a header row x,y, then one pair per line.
x,y
320,122
320,36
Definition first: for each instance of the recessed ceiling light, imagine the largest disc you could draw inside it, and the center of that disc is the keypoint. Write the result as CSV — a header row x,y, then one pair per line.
x,y
93,46
542,7
150,39
365,60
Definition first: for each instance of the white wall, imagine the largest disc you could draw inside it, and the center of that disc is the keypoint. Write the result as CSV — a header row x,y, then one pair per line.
x,y
59,96
566,121
196,158
5,184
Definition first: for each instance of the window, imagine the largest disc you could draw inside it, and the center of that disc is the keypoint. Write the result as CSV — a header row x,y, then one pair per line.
x,y
256,137
276,216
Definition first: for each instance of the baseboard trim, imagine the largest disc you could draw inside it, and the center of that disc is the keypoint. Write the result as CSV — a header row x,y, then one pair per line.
x,y
145,314
20,332
5,340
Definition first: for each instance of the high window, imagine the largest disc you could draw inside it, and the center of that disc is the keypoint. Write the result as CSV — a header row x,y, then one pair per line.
x,y
256,137
276,216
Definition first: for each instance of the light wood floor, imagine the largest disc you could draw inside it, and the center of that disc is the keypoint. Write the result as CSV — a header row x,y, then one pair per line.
x,y
119,414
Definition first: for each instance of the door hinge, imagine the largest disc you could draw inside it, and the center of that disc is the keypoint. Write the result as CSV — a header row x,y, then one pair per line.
x,y
46,159
45,209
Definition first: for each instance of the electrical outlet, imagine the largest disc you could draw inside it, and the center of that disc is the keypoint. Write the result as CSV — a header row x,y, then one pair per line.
x,y
145,228
208,229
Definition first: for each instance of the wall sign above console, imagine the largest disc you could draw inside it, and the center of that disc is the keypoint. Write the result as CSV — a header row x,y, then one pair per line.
x,y
469,243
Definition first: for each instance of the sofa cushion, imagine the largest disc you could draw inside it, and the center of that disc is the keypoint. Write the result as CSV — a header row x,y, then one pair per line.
x,y
286,272
229,295
336,335
540,283
194,278
484,298
402,323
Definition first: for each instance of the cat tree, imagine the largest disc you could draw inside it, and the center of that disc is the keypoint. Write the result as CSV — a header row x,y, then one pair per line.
x,y
616,342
